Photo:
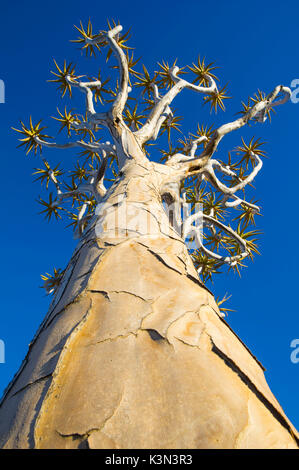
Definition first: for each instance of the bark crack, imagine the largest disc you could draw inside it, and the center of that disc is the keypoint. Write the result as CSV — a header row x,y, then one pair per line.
x,y
198,282
114,412
134,333
175,321
163,261
84,436
246,380
55,373
102,292
133,294
29,384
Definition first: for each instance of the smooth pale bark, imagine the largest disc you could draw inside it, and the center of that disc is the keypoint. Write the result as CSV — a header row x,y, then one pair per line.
x,y
134,352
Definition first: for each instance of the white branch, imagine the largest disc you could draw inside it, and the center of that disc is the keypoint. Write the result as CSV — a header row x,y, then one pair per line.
x,y
167,112
279,89
122,96
148,130
99,179
258,111
93,146
208,171
239,201
180,157
224,169
212,88
196,231
85,87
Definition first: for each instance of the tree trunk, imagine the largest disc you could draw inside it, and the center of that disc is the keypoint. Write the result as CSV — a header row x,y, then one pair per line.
x,y
134,352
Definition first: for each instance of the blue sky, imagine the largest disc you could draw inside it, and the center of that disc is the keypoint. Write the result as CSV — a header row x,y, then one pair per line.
x,y
256,47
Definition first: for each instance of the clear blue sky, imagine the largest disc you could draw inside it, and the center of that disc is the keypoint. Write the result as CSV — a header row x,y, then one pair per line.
x,y
256,47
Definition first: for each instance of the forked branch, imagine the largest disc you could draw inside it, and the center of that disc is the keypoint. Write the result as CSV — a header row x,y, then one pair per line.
x,y
258,112
191,230
122,95
149,129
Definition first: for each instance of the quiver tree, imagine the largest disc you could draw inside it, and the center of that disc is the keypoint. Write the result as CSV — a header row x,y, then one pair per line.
x,y
134,351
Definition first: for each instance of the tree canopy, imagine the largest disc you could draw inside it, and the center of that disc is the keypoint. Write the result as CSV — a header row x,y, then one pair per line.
x,y
218,190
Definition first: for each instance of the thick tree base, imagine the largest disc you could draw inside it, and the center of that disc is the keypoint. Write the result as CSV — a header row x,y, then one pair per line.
x,y
140,357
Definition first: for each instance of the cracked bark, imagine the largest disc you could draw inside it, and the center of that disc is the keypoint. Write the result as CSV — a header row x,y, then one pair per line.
x,y
134,353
